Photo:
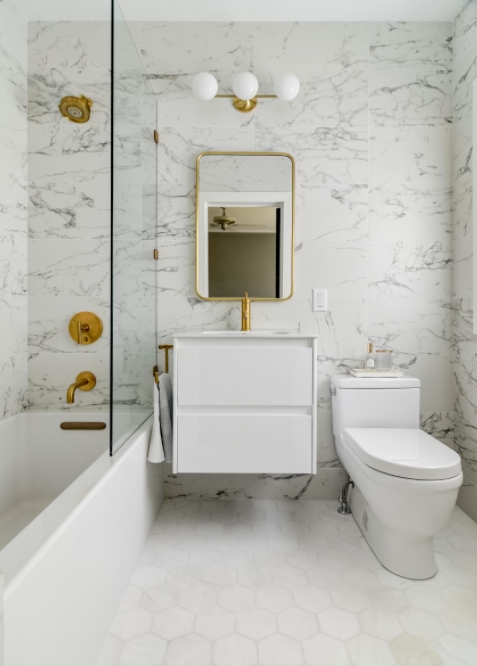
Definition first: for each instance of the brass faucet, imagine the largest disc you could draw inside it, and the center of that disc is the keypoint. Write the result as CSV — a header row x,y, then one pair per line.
x,y
246,313
84,381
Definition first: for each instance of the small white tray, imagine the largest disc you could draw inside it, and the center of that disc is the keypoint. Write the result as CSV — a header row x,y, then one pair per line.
x,y
362,372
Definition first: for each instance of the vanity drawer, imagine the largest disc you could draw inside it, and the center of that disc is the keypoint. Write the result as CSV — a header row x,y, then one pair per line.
x,y
245,444
245,375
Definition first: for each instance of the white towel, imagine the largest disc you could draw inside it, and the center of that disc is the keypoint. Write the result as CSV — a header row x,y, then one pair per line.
x,y
165,414
155,453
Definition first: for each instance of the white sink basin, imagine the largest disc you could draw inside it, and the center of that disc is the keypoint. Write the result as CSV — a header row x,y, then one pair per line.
x,y
267,334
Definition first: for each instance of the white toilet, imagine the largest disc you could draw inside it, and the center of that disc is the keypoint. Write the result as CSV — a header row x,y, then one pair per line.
x,y
405,481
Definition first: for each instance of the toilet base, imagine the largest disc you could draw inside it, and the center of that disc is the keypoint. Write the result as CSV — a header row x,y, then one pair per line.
x,y
403,554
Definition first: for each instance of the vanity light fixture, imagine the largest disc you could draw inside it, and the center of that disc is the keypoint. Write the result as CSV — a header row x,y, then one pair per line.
x,y
245,87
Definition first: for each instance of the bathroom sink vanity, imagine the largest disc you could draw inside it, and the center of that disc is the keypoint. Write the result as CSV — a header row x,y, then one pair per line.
x,y
245,403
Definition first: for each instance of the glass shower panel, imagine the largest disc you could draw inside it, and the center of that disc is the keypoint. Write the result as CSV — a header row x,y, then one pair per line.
x,y
133,349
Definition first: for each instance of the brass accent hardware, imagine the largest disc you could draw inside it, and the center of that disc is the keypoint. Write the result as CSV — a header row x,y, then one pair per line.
x,y
246,105
83,425
156,136
76,109
197,219
84,381
85,328
155,372
156,254
246,313
166,352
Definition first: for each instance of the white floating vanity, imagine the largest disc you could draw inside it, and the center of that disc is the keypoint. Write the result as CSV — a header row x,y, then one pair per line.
x,y
245,403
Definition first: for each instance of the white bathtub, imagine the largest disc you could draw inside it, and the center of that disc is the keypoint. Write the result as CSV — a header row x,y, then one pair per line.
x,y
73,522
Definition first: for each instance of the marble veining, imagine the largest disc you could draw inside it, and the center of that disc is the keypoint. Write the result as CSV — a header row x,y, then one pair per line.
x,y
13,212
327,98
310,45
242,173
371,133
66,44
70,213
64,206
166,48
410,97
465,384
413,44
13,384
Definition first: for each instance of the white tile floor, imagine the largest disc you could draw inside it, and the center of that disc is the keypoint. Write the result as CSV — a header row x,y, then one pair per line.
x,y
289,583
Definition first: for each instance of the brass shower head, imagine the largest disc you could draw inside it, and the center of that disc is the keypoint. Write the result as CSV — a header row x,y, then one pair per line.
x,y
76,109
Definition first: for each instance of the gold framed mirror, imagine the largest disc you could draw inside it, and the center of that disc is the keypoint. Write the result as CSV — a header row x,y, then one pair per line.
x,y
245,226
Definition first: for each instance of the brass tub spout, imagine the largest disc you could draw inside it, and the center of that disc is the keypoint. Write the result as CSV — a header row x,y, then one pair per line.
x,y
84,381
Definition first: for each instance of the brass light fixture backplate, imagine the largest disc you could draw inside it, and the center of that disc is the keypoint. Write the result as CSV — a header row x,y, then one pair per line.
x,y
85,328
245,105
76,109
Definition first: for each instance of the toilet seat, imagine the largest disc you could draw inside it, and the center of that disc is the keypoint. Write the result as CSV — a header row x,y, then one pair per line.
x,y
408,453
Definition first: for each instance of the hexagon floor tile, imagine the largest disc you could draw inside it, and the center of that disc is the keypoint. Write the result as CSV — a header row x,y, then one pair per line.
x,y
289,583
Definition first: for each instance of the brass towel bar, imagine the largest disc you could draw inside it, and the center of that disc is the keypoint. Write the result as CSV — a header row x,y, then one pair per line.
x,y
155,370
166,352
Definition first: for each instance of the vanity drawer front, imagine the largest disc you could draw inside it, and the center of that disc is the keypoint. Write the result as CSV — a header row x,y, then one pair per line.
x,y
221,376
245,444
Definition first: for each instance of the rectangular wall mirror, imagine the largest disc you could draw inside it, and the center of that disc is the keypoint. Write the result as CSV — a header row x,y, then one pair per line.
x,y
245,225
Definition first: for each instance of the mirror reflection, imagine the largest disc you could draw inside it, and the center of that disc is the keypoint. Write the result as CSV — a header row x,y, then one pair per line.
x,y
245,251
245,226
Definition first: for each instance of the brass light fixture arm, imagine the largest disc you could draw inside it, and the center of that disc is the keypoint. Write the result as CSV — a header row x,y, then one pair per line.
x,y
232,96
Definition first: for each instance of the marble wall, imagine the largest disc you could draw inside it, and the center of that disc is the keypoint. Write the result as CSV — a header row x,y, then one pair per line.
x,y
70,263
134,230
465,367
69,208
13,209
371,132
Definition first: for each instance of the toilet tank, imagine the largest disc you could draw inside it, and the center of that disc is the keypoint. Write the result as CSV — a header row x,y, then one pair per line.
x,y
374,403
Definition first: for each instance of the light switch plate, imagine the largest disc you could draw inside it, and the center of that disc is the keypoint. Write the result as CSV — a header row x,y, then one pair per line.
x,y
320,300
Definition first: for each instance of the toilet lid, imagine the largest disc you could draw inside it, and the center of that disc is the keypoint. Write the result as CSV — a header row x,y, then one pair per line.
x,y
405,452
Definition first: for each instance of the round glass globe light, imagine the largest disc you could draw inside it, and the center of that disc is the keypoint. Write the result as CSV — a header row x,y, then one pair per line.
x,y
205,86
287,87
245,86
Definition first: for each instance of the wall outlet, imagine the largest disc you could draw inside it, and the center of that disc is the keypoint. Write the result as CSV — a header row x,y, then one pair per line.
x,y
320,300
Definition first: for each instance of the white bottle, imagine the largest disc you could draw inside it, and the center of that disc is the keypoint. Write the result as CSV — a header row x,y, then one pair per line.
x,y
370,360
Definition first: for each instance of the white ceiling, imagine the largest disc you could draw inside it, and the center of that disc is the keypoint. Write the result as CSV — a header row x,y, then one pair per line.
x,y
245,10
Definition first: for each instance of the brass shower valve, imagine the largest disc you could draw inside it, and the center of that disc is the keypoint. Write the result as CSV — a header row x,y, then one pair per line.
x,y
85,328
